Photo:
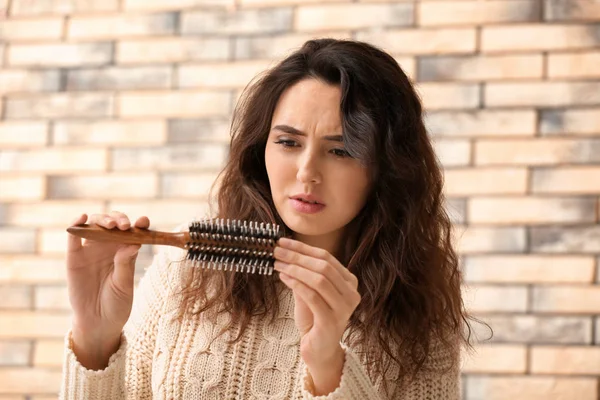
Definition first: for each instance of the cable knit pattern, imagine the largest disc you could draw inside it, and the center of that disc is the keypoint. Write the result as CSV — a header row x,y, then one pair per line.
x,y
162,358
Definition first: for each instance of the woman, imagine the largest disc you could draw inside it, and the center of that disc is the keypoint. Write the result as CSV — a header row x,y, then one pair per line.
x,y
366,304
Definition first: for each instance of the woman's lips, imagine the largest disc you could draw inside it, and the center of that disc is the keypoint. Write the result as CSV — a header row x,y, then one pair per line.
x,y
306,208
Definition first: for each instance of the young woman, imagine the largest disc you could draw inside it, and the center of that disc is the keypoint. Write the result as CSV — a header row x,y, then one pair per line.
x,y
366,303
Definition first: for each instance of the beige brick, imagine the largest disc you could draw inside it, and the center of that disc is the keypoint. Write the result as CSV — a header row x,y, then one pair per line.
x,y
530,388
479,68
496,359
121,26
14,353
15,297
571,10
531,210
530,329
580,121
64,55
31,29
483,299
113,133
542,94
52,298
491,240
131,78
529,269
63,105
105,186
22,188
20,269
48,213
580,360
29,380
174,4
166,214
474,181
199,130
23,134
172,49
353,16
33,325
578,239
449,96
567,180
536,152
28,7
453,153
177,157
221,76
539,37
566,299
44,397
277,47
423,41
186,185
574,65
444,13
249,21
21,81
53,241
48,353
54,160
481,123
17,240
174,104
263,3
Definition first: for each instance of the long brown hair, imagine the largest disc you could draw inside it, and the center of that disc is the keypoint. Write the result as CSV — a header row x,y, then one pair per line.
x,y
399,246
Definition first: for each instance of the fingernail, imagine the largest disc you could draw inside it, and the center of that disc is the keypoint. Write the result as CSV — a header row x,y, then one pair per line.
x,y
278,265
280,252
285,240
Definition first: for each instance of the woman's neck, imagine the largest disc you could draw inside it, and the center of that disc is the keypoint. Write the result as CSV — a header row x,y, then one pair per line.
x,y
332,242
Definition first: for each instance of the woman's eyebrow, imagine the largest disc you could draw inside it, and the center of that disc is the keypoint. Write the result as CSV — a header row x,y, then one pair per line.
x,y
293,131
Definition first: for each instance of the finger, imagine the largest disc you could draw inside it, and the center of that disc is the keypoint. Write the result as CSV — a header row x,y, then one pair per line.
x,y
74,242
142,222
322,314
122,220
103,220
125,267
315,252
340,304
314,264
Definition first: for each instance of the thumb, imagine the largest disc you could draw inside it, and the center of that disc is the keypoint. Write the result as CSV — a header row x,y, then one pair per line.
x,y
125,266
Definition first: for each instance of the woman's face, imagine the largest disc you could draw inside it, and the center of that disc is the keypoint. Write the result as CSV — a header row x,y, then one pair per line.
x,y
306,160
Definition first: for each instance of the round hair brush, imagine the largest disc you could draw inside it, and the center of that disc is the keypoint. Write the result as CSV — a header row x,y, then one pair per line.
x,y
220,244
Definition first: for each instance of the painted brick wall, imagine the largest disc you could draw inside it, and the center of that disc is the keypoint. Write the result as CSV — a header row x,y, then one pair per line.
x,y
125,104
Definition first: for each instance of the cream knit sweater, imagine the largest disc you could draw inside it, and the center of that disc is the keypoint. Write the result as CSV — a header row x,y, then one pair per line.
x,y
161,358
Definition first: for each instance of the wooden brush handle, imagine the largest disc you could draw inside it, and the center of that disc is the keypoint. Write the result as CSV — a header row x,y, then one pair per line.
x,y
130,236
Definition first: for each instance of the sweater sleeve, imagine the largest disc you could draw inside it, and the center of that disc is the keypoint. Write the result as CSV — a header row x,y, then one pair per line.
x,y
128,374
440,379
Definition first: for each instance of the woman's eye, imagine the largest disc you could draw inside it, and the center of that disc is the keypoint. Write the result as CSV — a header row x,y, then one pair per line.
x,y
340,153
286,143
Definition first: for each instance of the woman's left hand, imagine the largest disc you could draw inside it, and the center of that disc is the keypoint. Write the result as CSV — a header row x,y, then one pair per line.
x,y
325,296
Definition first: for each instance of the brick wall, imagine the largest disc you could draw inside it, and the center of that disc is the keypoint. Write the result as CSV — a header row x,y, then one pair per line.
x,y
125,104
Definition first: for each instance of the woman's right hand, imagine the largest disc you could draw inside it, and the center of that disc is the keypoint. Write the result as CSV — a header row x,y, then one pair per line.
x,y
100,277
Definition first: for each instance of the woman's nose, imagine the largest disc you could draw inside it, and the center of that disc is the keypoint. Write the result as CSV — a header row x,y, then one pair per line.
x,y
308,169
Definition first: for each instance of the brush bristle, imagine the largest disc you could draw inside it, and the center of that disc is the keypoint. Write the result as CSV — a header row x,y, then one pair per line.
x,y
236,245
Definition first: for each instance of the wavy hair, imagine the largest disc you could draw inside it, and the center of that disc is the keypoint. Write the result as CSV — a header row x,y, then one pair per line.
x,y
400,244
